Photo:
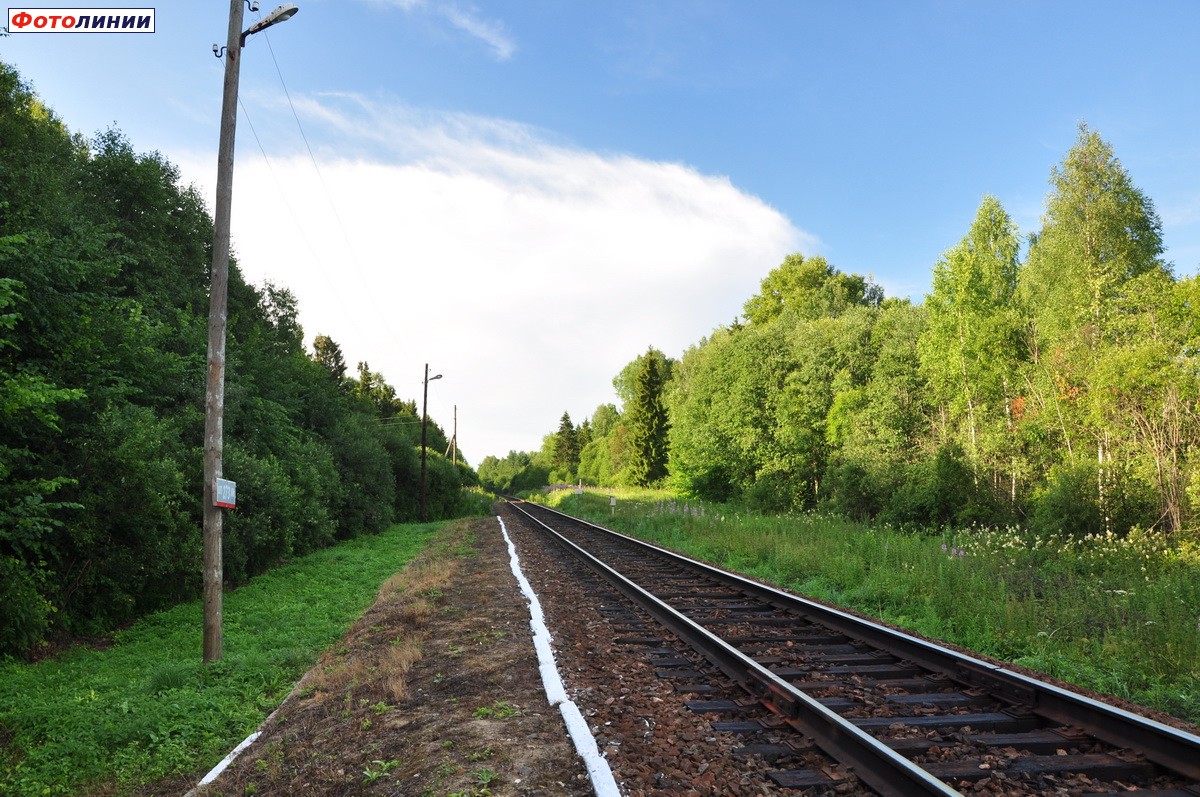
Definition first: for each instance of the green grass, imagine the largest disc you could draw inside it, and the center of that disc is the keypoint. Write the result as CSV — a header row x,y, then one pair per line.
x,y
1117,614
474,502
147,709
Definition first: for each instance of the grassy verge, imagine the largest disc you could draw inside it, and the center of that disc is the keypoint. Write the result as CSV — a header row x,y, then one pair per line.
x,y
1120,615
147,709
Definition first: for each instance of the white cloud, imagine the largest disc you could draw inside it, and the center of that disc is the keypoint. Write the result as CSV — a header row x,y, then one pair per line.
x,y
466,18
487,31
525,271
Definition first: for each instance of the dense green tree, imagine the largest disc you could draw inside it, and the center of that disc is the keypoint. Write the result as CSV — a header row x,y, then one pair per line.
x,y
809,288
878,425
565,454
972,351
517,472
328,353
595,463
1098,232
646,417
719,410
1151,416
583,436
604,419
626,383
29,513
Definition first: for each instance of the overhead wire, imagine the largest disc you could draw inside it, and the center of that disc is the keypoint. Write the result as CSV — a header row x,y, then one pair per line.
x,y
367,292
296,220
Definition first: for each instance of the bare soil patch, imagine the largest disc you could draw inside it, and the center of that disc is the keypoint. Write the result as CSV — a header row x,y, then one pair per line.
x,y
435,691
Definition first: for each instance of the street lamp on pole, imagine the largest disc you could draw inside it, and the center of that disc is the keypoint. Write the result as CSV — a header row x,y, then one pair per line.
x,y
424,422
214,395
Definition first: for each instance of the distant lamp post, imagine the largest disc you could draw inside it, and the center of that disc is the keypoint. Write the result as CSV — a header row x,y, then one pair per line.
x,y
424,422
214,395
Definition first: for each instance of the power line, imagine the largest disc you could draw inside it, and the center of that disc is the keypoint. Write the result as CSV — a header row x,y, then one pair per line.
x,y
367,293
295,220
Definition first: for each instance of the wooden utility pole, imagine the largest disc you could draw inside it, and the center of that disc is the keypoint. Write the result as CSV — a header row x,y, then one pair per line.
x,y
214,389
214,392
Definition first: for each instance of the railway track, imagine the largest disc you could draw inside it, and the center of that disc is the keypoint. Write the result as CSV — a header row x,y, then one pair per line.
x,y
905,716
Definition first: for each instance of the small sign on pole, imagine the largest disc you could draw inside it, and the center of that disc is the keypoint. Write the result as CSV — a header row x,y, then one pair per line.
x,y
612,504
225,495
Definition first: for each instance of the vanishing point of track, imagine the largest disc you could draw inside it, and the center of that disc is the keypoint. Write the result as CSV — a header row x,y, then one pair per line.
x,y
902,715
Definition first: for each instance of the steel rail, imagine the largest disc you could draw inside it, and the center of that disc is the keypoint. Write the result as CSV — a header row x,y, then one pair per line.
x,y
1172,748
874,763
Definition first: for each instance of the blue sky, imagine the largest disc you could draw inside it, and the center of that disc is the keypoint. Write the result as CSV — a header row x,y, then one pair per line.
x,y
527,194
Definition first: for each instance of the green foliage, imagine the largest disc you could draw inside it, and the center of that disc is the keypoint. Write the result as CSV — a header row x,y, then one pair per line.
x,y
329,354
625,384
137,533
939,493
516,474
474,502
443,487
852,491
26,613
565,456
365,502
1099,231
595,462
972,353
809,288
1070,502
648,423
104,261
1016,392
146,709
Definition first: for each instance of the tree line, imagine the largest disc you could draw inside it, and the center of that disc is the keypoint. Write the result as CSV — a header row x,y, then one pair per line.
x,y
104,267
1049,381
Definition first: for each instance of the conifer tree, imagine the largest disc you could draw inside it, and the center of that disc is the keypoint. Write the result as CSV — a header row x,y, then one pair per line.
x,y
566,445
648,423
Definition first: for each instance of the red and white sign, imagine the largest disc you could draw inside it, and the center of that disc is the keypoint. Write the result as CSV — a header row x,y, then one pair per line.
x,y
225,494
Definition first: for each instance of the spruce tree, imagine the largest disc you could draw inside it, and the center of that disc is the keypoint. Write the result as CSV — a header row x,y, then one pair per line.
x,y
566,447
646,418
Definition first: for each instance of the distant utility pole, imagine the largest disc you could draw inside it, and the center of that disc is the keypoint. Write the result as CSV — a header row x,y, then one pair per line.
x,y
424,423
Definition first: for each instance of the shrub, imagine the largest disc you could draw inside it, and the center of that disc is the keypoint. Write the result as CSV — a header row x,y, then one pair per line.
x,y
26,614
772,492
938,493
851,491
262,530
364,504
711,483
1070,502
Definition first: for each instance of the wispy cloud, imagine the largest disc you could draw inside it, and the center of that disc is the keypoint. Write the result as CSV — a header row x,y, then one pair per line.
x,y
491,33
466,18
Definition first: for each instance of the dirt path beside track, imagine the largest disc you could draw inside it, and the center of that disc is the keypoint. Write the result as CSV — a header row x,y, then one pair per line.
x,y
434,691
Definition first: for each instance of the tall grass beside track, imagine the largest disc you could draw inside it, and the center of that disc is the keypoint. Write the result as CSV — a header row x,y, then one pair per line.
x,y
1117,614
147,709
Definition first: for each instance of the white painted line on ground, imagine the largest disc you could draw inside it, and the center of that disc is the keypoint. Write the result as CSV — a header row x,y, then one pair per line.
x,y
585,743
227,760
